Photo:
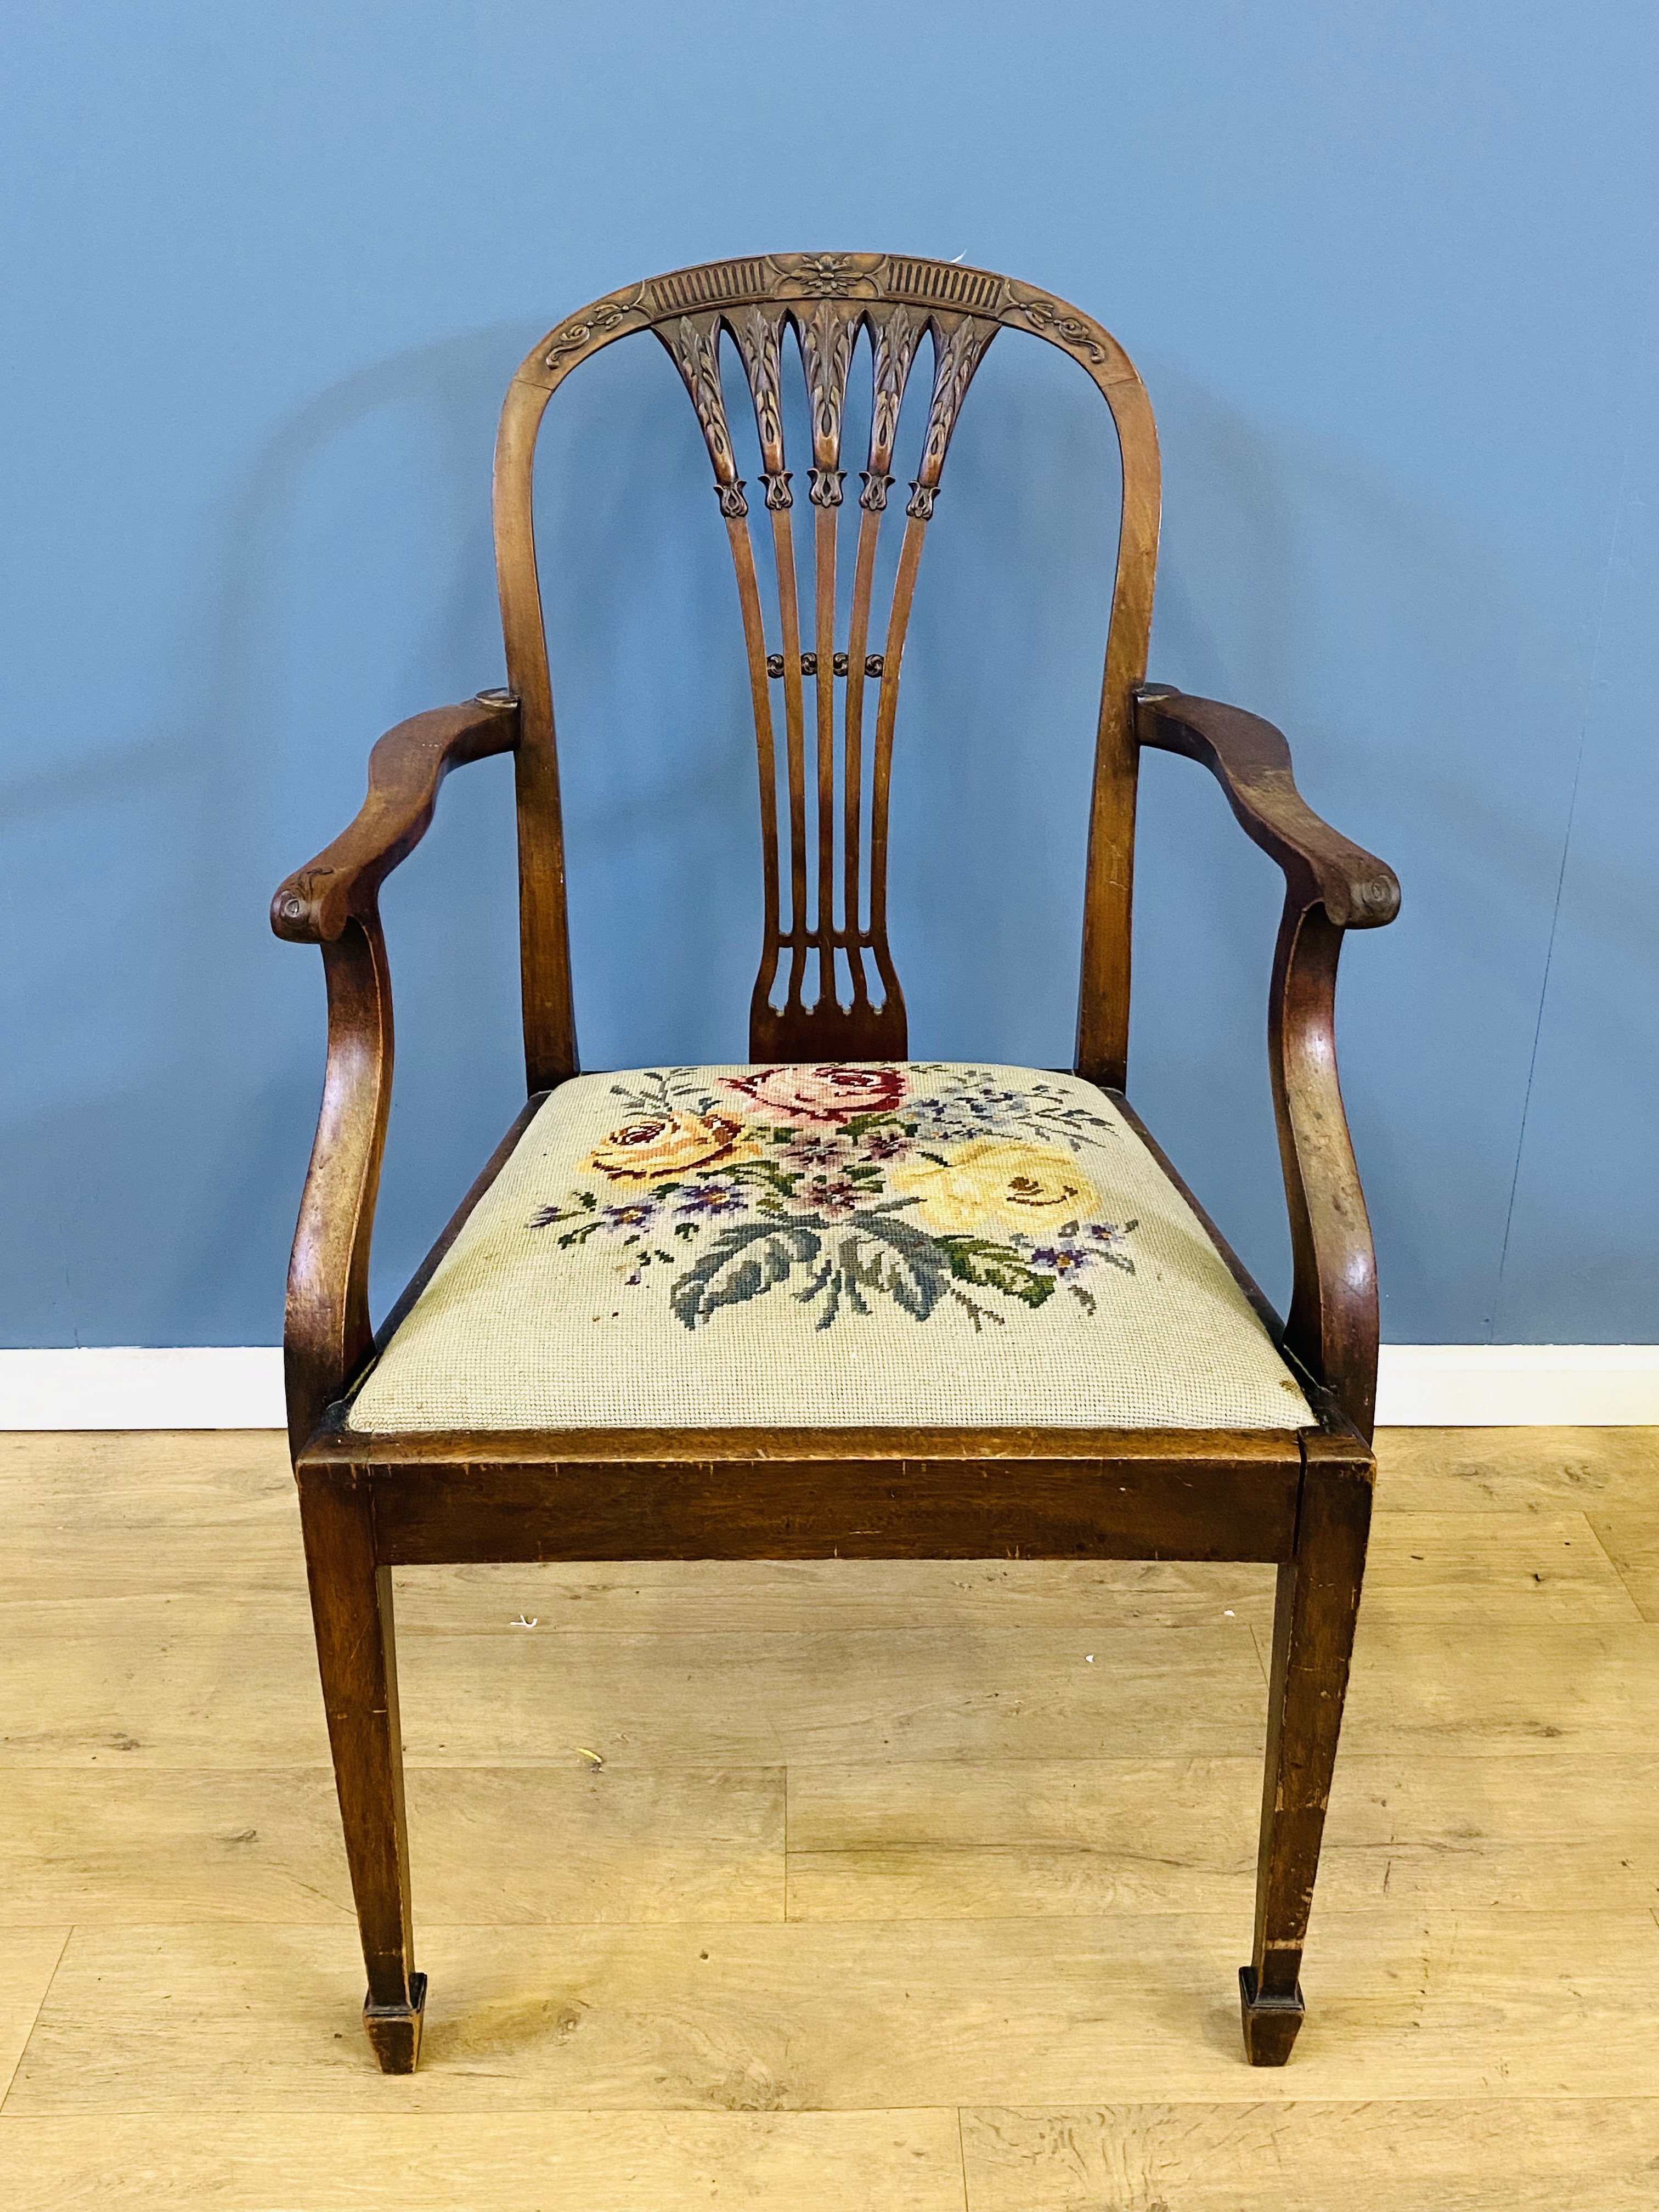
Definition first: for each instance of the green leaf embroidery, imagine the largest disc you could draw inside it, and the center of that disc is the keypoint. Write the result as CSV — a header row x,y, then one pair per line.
x,y
911,1267
741,1263
995,1267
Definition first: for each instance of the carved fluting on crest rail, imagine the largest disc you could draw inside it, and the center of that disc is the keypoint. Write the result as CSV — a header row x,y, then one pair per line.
x,y
694,344
896,336
758,334
766,286
960,343
826,351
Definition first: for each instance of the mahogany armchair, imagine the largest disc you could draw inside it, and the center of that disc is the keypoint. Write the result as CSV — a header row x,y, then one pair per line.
x,y
833,1301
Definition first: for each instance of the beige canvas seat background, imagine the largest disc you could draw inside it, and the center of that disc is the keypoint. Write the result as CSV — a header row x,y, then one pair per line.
x,y
515,1331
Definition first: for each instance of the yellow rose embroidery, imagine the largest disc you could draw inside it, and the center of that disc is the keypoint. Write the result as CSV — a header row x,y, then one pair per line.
x,y
993,1180
658,1146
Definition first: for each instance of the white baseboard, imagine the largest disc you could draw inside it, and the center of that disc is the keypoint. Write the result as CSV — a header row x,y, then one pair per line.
x,y
1419,1386
1485,1386
136,1386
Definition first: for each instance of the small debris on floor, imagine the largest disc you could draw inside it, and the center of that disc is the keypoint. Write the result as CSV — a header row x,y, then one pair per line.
x,y
587,1754
522,1623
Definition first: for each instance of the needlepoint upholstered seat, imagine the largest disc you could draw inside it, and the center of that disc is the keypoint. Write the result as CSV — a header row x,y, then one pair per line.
x,y
832,1301
831,1246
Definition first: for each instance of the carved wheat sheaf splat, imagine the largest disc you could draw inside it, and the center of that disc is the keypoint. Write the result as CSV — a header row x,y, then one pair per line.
x,y
835,934
833,918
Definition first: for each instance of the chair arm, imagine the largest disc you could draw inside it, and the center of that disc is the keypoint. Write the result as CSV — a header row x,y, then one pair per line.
x,y
314,905
1251,762
334,903
1330,886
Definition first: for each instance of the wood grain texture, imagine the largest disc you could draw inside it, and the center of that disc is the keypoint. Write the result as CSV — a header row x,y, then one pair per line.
x,y
326,1333
587,2161
827,2017
1333,1327
147,1845
947,1840
145,1684
1019,1881
351,1604
481,1506
1453,2155
137,1689
1433,1832
548,995
1592,1471
1631,1541
28,1958
841,1597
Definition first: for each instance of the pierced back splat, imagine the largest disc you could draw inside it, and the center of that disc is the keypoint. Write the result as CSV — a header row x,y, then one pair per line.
x,y
836,913
815,1022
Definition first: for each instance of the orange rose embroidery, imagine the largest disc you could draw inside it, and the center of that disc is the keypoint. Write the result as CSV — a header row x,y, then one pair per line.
x,y
658,1146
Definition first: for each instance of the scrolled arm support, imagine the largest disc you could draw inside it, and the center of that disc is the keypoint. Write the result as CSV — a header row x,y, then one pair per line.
x,y
327,1334
342,883
334,902
1330,886
1333,1324
1251,762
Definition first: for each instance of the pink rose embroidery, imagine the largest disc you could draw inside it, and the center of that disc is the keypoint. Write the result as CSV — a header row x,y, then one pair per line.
x,y
832,1093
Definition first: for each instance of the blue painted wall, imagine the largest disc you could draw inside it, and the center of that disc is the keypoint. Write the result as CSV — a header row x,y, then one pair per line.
x,y
1390,276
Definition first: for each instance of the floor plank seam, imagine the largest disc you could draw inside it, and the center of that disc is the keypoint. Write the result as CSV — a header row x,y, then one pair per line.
x,y
45,1991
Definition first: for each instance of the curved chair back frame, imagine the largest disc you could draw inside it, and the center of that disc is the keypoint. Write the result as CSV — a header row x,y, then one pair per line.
x,y
825,909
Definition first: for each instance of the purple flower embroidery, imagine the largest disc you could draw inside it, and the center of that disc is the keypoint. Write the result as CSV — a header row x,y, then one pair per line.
x,y
1061,1259
705,1202
807,1149
1079,1248
833,1196
631,1217
885,1144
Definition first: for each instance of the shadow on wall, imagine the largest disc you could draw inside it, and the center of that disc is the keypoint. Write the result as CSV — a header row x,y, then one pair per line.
x,y
1434,710
157,1165
158,1156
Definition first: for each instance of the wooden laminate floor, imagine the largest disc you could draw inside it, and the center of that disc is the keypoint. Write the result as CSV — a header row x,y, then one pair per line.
x,y
916,1888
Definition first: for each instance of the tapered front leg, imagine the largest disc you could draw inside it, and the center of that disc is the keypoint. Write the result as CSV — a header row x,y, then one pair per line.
x,y
351,1607
1313,1619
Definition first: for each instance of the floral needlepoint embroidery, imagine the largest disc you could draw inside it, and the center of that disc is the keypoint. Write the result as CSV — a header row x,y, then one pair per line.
x,y
993,1180
836,1093
665,1144
846,1183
